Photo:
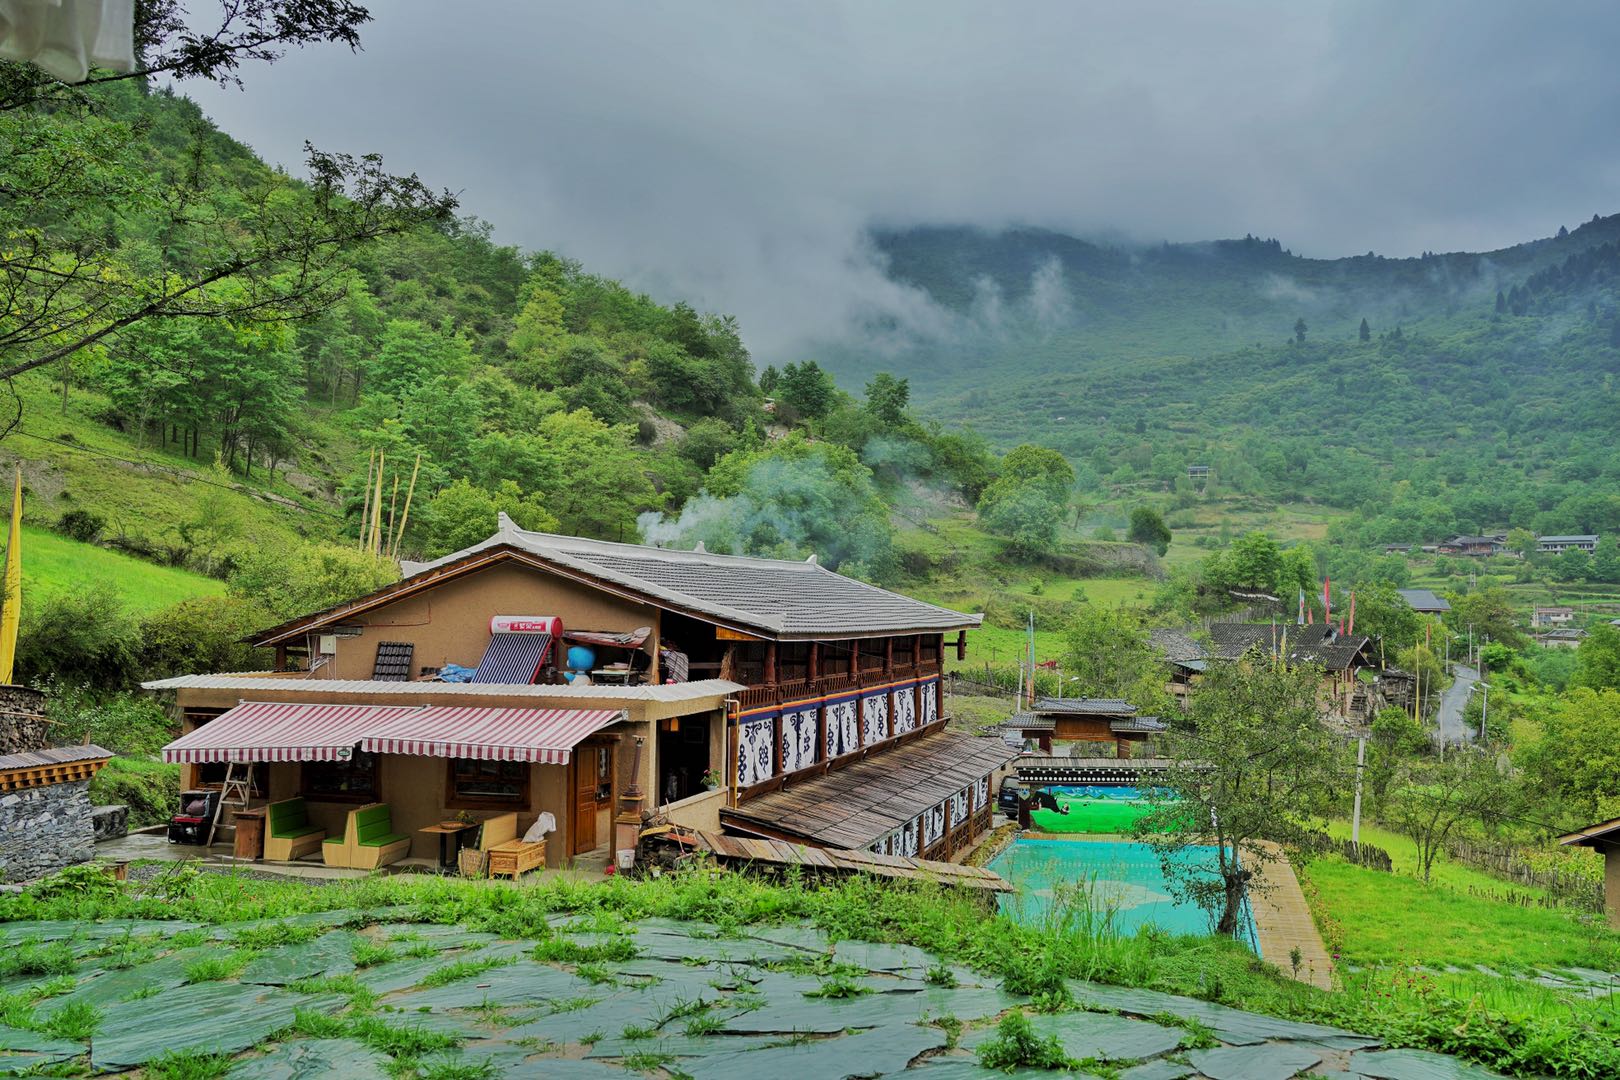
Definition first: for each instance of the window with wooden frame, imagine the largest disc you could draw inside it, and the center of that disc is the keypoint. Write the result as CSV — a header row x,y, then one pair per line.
x,y
929,653
355,780
872,654
834,658
472,784
902,651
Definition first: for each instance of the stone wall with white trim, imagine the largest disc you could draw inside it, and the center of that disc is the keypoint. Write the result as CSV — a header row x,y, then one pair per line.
x,y
43,829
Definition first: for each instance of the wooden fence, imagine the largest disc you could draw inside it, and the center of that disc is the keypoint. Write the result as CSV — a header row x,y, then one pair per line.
x,y
1368,855
1562,886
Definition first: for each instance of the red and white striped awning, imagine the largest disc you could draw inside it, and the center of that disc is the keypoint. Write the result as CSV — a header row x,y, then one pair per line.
x,y
282,731
546,736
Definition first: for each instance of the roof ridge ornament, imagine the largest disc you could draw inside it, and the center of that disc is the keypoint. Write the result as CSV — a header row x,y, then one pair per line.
x,y
504,522
812,560
700,549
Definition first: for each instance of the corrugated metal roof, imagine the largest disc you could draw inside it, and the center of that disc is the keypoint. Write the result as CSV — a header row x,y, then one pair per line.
x,y
785,597
53,755
667,692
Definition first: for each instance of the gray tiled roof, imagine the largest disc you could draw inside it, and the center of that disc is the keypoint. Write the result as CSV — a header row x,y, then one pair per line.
x,y
1178,646
53,755
1144,724
785,598
1083,706
1029,722
1424,600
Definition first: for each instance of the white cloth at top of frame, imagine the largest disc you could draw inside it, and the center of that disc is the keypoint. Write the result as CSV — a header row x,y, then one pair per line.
x,y
67,37
906,840
959,807
981,792
754,757
843,728
874,718
933,824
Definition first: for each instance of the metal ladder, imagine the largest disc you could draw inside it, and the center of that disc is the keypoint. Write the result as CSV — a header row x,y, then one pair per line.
x,y
235,793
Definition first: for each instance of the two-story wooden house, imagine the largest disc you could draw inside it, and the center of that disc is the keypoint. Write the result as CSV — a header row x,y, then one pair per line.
x,y
757,696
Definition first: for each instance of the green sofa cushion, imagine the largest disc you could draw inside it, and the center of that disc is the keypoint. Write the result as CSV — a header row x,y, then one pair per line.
x,y
294,834
288,815
383,841
333,840
379,814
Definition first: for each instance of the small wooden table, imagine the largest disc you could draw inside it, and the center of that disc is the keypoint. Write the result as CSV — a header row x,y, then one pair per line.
x,y
446,830
249,833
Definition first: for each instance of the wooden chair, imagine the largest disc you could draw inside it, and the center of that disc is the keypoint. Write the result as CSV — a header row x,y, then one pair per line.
x,y
339,850
508,854
375,841
288,834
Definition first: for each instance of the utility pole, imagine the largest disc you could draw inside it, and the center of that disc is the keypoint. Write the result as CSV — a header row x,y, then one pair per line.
x,y
1361,765
1484,709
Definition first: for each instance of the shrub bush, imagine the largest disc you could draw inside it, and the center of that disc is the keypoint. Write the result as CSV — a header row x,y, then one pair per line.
x,y
81,525
124,723
203,634
149,788
81,637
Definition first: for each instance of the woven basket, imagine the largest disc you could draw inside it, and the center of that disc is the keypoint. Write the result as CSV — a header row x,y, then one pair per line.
x,y
474,863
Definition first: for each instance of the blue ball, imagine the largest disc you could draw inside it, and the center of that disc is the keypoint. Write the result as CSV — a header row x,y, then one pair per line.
x,y
581,659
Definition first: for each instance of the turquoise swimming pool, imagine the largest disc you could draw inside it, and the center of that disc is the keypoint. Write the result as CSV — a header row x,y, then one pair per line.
x,y
1126,878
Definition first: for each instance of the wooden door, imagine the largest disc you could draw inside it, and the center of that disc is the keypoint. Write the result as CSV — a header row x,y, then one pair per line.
x,y
584,805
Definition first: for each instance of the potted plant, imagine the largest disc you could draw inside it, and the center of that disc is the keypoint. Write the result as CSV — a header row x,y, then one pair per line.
x,y
711,779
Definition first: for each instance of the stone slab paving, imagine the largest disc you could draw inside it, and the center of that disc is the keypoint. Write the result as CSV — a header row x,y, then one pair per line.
x,y
776,1002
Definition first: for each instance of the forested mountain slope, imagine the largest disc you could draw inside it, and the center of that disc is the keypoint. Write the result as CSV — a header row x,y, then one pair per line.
x,y
1485,382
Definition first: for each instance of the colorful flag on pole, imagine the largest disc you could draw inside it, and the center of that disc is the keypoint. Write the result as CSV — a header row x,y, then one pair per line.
x,y
1327,598
1301,620
11,613
1352,611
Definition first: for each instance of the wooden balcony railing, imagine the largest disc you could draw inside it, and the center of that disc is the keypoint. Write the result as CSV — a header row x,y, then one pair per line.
x,y
777,693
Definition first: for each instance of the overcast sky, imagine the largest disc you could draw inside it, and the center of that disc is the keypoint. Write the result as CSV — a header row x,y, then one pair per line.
x,y
732,153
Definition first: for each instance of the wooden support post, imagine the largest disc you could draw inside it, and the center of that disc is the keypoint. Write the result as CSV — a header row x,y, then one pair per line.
x,y
888,656
961,645
855,661
814,670
770,664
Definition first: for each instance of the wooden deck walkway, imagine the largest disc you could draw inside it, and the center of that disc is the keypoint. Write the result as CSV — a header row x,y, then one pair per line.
x,y
1283,921
781,853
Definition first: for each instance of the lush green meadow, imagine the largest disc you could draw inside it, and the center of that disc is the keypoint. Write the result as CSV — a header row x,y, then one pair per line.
x,y
52,561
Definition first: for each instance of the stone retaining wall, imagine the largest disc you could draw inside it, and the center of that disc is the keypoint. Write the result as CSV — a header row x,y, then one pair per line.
x,y
43,829
22,728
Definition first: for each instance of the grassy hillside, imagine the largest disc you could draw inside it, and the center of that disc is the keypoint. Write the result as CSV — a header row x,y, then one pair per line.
x,y
52,561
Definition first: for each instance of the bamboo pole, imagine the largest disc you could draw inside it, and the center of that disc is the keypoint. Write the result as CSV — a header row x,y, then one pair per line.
x,y
393,501
376,515
365,508
405,515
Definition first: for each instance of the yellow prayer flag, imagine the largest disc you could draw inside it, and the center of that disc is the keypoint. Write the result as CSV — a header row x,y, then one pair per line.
x,y
11,613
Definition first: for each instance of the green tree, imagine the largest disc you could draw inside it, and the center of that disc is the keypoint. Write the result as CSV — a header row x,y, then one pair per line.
x,y
1108,656
1522,541
1576,762
1299,330
463,515
292,581
1028,501
412,354
804,391
1597,659
1149,530
1382,612
1365,333
1431,799
707,441
1252,762
1489,612
1606,560
203,634
886,400
1572,565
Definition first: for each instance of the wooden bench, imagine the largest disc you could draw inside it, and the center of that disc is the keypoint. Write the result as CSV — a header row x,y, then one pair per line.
x,y
289,835
368,840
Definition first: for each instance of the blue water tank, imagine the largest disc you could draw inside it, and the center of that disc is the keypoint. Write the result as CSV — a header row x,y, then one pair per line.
x,y
581,659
